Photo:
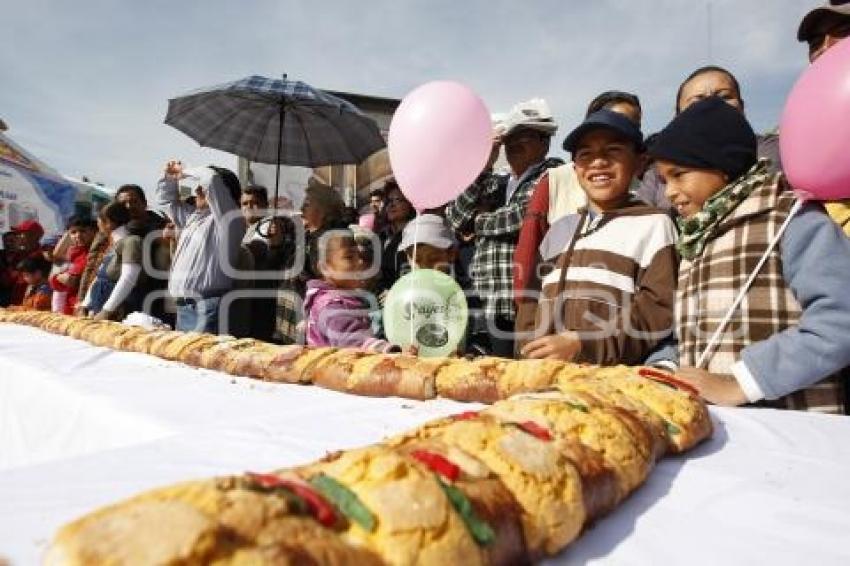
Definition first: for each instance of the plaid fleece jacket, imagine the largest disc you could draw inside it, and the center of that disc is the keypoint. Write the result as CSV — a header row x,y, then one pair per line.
x,y
481,209
789,335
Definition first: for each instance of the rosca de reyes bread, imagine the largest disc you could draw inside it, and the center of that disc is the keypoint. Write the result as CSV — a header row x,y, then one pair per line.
x,y
685,417
655,395
142,343
534,468
509,484
249,358
381,375
294,363
78,327
251,519
471,380
192,356
224,354
488,379
677,419
333,371
624,443
522,376
506,485
104,334
494,517
395,507
58,324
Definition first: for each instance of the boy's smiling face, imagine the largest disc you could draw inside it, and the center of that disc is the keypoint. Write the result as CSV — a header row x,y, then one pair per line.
x,y
605,163
687,187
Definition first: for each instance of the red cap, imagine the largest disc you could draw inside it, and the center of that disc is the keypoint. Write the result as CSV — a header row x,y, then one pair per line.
x,y
29,226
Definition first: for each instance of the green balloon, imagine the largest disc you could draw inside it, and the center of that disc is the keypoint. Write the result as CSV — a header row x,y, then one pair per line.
x,y
426,308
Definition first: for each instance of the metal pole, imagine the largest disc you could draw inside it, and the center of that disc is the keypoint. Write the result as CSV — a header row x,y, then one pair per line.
x,y
702,362
709,34
281,118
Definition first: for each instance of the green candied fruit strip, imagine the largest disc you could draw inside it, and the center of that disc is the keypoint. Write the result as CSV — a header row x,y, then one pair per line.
x,y
577,406
481,532
345,500
671,428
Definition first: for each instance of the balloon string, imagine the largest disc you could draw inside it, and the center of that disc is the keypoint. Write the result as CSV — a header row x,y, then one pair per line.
x,y
706,353
413,268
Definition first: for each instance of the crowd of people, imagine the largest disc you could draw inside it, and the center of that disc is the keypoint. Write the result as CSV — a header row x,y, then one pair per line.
x,y
631,253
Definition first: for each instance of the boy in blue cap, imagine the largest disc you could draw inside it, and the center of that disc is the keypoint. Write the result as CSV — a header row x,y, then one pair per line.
x,y
608,295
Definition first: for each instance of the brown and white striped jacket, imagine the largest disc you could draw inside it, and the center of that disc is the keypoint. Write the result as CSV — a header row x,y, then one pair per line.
x,y
613,282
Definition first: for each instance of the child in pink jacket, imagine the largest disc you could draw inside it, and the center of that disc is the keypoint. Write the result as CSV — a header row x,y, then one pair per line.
x,y
336,308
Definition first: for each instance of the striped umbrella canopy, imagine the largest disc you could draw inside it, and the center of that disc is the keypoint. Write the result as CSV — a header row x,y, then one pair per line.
x,y
277,121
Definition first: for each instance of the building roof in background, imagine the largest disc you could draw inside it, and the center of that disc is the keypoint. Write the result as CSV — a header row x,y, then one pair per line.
x,y
365,99
379,108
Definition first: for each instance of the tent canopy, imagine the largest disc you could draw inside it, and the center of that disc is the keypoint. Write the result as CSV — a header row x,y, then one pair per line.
x,y
32,190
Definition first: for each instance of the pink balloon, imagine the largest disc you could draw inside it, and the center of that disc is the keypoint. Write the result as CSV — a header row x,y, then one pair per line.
x,y
367,221
814,133
440,139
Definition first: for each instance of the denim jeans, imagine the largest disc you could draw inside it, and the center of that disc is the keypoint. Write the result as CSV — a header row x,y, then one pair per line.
x,y
198,315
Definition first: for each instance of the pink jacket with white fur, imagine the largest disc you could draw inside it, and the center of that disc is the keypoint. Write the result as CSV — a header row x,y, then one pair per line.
x,y
337,317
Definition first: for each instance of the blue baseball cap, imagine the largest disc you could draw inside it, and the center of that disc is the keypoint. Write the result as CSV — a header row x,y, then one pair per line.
x,y
609,120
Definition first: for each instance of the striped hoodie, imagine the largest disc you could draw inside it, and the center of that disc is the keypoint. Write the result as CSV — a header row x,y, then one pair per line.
x,y
612,278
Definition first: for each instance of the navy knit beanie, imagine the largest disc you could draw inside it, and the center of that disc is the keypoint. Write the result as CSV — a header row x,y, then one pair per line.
x,y
709,134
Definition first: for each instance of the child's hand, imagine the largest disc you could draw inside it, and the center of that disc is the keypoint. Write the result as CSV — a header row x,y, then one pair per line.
x,y
169,231
103,315
277,231
564,346
410,350
174,170
717,388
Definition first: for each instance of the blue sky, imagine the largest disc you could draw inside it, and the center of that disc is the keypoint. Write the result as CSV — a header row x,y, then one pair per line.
x,y
86,84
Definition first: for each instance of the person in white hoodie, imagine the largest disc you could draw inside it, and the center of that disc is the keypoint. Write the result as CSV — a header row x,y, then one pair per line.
x,y
210,237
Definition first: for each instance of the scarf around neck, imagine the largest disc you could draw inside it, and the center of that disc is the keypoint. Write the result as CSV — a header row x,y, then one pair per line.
x,y
694,232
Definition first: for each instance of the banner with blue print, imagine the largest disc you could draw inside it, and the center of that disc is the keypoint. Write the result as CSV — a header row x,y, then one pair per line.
x,y
27,195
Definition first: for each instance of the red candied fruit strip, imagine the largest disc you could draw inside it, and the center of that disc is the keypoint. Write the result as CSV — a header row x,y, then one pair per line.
x,y
535,430
319,507
438,464
466,416
667,379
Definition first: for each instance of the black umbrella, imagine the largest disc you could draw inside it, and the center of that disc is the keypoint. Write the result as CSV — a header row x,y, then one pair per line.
x,y
276,121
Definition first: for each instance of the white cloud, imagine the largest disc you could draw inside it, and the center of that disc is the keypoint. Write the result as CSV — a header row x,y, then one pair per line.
x,y
86,84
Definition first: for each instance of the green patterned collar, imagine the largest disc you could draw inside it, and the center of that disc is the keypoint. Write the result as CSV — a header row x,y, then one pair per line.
x,y
695,230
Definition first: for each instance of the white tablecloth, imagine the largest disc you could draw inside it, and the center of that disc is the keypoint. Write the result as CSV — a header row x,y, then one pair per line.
x,y
81,427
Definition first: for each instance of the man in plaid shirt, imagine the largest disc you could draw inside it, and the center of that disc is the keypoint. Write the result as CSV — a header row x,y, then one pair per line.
x,y
492,210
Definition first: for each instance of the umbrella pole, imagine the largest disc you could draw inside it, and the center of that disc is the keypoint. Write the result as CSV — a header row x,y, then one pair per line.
x,y
279,156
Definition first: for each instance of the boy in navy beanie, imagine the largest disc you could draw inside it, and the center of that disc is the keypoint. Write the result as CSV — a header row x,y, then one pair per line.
x,y
791,333
709,134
